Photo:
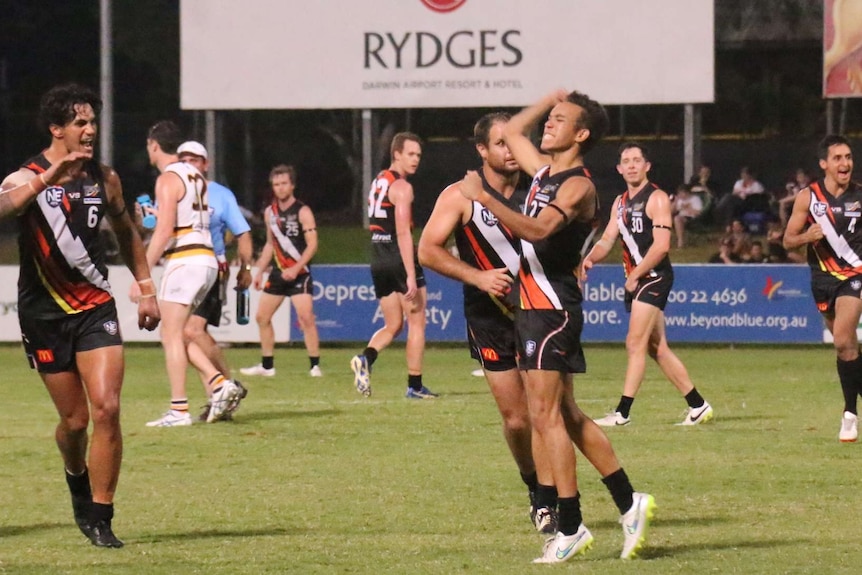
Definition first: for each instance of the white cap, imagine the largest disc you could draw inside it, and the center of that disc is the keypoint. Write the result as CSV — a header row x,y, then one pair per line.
x,y
192,147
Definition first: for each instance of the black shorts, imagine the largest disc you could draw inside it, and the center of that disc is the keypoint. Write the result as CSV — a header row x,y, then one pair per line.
x,y
51,345
276,285
827,288
210,308
391,277
550,340
651,290
493,342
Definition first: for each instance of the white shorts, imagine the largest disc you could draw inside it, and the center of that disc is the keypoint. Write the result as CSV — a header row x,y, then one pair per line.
x,y
187,284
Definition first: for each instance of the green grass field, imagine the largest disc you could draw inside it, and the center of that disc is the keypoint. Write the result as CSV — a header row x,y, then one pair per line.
x,y
312,478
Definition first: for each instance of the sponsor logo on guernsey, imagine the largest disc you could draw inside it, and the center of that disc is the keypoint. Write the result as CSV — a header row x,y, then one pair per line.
x,y
488,218
819,208
111,327
54,196
73,196
530,347
638,207
91,191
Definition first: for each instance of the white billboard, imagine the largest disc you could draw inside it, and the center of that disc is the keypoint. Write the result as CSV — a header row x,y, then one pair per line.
x,y
275,54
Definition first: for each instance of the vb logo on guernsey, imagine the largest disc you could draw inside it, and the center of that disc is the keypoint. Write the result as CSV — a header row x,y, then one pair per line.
x,y
444,5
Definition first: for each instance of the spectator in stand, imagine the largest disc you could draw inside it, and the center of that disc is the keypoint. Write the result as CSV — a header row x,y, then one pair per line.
x,y
686,206
775,244
737,202
799,182
734,245
702,185
756,255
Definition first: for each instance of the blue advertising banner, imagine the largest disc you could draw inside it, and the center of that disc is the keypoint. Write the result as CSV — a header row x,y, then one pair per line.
x,y
708,304
768,303
347,310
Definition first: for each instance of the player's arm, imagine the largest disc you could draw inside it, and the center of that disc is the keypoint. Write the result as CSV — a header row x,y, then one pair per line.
x,y
265,258
131,250
516,132
450,211
238,226
568,205
658,209
401,195
603,247
796,235
21,187
309,231
169,190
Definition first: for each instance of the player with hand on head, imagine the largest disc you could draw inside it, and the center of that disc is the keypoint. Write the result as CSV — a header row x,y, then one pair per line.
x,y
558,218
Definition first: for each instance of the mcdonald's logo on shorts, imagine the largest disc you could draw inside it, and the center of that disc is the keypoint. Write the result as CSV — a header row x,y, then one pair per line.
x,y
489,354
44,356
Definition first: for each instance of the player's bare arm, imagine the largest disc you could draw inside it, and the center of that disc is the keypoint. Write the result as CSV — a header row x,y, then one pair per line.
x,y
659,211
309,229
245,251
450,211
796,235
21,187
169,190
131,250
603,247
575,200
515,134
401,195
265,257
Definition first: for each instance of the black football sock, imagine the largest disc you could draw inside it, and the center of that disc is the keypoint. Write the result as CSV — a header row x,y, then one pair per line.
x,y
569,515
621,489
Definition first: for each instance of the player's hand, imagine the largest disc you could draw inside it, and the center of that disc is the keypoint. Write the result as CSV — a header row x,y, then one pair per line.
x,y
631,285
66,169
815,232
496,282
471,185
290,274
412,290
555,97
258,280
243,278
148,313
586,265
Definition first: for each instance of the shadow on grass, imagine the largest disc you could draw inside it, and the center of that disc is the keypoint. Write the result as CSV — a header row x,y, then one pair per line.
x,y
698,521
251,416
12,530
217,534
663,551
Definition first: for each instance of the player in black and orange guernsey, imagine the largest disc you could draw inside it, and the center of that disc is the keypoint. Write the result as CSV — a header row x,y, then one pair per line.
x,y
641,218
65,307
487,264
291,237
826,216
399,282
558,217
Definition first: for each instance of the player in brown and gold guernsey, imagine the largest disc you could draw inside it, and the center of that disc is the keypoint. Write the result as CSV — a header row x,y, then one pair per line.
x,y
66,310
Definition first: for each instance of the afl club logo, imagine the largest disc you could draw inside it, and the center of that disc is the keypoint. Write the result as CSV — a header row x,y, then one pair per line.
x,y
530,347
443,5
488,218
